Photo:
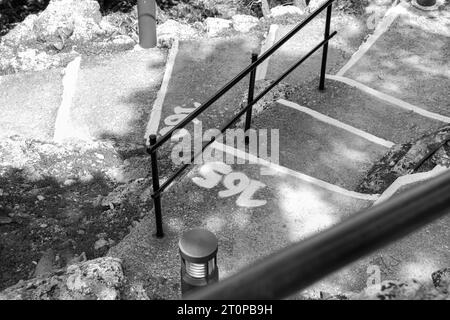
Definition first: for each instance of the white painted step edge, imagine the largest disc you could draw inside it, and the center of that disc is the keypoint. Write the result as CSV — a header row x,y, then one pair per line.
x,y
337,123
261,71
393,101
155,115
409,179
280,169
380,29
62,127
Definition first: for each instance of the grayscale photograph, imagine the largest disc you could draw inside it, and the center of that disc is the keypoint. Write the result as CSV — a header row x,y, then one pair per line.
x,y
274,151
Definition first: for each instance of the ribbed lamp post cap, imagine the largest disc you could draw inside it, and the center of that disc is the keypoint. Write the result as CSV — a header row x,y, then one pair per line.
x,y
198,245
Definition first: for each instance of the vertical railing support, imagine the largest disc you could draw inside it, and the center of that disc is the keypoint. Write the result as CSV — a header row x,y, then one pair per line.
x,y
156,197
147,23
325,49
251,93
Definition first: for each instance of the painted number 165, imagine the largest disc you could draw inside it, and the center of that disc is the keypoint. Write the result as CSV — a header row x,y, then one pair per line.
x,y
234,182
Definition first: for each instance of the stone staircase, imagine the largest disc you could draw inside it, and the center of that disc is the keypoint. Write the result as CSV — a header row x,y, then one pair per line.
x,y
327,145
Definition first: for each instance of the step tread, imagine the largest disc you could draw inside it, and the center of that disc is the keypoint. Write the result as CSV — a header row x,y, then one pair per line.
x,y
319,149
409,62
201,68
29,103
365,112
299,45
113,96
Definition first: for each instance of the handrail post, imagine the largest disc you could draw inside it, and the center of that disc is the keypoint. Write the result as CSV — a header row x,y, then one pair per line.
x,y
325,48
251,92
157,197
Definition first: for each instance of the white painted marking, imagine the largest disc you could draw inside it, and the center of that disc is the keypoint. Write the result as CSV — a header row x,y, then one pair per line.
x,y
261,71
338,124
390,99
214,172
381,28
301,176
63,128
180,114
155,116
246,200
408,179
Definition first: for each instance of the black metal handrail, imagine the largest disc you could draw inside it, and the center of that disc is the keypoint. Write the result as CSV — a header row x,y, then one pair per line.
x,y
300,265
251,69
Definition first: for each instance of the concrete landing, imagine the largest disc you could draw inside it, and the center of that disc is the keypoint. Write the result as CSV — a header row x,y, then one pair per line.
x,y
29,103
271,212
416,256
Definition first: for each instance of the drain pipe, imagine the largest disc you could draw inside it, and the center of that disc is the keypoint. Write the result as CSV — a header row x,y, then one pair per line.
x,y
147,23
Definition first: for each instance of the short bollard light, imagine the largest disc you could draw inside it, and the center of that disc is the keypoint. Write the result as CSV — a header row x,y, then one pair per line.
x,y
198,250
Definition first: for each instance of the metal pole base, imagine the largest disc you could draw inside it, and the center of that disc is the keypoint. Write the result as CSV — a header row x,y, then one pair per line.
x,y
425,5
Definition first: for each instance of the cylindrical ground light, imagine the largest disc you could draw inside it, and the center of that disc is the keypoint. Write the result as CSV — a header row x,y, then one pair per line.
x,y
198,250
147,23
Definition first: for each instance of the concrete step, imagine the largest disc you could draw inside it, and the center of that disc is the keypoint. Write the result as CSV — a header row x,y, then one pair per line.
x,y
114,94
301,43
252,222
366,112
29,103
415,256
200,69
410,61
308,143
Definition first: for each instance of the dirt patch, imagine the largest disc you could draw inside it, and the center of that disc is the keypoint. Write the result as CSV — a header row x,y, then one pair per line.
x,y
75,199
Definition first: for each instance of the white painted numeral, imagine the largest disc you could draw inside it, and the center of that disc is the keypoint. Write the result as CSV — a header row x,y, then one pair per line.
x,y
174,119
234,182
210,176
232,187
245,199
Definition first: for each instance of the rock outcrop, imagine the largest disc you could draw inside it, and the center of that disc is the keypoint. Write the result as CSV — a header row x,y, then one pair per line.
x,y
215,26
99,279
420,155
244,23
78,19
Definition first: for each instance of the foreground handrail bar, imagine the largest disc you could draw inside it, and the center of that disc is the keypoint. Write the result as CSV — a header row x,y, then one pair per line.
x,y
239,77
241,112
300,265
